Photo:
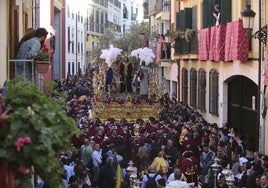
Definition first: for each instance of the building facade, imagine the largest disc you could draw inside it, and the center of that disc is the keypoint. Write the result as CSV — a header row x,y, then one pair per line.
x,y
75,37
131,13
96,22
19,15
217,70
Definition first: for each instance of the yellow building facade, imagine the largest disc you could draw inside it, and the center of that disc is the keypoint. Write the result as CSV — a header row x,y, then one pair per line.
x,y
236,98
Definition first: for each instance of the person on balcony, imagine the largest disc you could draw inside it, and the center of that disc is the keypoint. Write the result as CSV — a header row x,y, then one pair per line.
x,y
27,50
31,47
217,14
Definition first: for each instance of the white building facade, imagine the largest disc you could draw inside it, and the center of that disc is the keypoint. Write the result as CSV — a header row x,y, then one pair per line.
x,y
75,37
132,13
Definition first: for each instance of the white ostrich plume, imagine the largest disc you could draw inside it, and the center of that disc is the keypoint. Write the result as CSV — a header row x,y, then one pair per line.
x,y
144,54
110,54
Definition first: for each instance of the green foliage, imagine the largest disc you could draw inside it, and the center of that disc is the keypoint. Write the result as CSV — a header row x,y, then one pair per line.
x,y
58,97
105,40
38,117
41,56
132,39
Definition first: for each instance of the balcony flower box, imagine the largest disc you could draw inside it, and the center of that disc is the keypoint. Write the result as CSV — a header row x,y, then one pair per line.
x,y
42,66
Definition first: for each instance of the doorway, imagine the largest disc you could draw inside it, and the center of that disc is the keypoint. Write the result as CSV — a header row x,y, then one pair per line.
x,y
242,113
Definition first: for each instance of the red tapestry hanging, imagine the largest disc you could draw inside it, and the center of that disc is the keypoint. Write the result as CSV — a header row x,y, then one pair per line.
x,y
236,42
204,42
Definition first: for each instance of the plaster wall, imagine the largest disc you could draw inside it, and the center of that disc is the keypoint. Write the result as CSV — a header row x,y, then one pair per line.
x,y
3,41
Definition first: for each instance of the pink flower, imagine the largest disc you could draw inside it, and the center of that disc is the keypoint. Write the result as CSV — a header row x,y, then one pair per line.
x,y
24,170
20,142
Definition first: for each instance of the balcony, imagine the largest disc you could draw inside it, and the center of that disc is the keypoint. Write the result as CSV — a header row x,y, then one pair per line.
x,y
163,16
26,70
186,44
101,2
161,7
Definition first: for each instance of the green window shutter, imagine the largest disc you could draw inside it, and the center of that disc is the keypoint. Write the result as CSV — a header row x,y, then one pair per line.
x,y
194,18
226,11
208,9
205,10
177,20
188,18
182,20
210,16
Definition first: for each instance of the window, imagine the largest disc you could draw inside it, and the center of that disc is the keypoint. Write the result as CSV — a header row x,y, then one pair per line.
x,y
208,7
193,87
213,92
68,11
72,68
92,46
125,12
201,89
79,68
184,85
167,86
72,46
69,68
174,88
69,39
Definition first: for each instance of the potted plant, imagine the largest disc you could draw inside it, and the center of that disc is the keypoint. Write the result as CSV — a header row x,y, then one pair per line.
x,y
42,60
34,131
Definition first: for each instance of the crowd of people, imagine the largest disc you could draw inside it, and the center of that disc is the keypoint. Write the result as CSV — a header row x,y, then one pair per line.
x,y
177,150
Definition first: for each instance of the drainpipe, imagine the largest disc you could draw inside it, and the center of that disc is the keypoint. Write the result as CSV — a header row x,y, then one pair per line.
x,y
261,124
179,66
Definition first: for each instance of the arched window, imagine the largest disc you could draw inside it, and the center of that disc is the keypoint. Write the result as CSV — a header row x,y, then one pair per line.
x,y
193,87
201,89
184,85
213,92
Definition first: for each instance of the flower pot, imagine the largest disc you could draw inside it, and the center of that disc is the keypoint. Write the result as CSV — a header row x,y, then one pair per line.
x,y
42,66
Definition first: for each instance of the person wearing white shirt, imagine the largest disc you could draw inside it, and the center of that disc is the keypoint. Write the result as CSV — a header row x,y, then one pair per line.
x,y
96,156
264,182
177,182
171,176
217,15
97,160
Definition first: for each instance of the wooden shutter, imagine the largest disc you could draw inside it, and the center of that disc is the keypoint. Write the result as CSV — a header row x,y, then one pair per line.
x,y
226,11
188,18
205,10
194,18
177,20
208,9
180,22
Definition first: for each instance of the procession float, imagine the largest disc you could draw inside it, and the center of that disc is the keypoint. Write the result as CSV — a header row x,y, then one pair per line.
x,y
109,102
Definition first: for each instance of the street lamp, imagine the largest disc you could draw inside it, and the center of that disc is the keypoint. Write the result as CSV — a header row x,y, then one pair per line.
x,y
248,17
230,180
215,168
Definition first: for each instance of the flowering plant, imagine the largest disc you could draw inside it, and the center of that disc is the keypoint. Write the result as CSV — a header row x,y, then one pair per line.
x,y
42,55
33,133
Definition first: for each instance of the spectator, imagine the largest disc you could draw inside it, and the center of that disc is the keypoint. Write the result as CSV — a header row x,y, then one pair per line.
x,y
178,182
152,173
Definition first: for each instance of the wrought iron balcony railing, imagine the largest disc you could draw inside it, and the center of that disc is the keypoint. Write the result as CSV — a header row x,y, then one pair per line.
x,y
187,45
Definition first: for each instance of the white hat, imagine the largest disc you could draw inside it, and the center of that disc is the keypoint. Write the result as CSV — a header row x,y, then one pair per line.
x,y
242,160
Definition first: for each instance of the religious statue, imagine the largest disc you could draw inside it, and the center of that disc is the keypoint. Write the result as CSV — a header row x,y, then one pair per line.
x,y
144,80
126,70
109,78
